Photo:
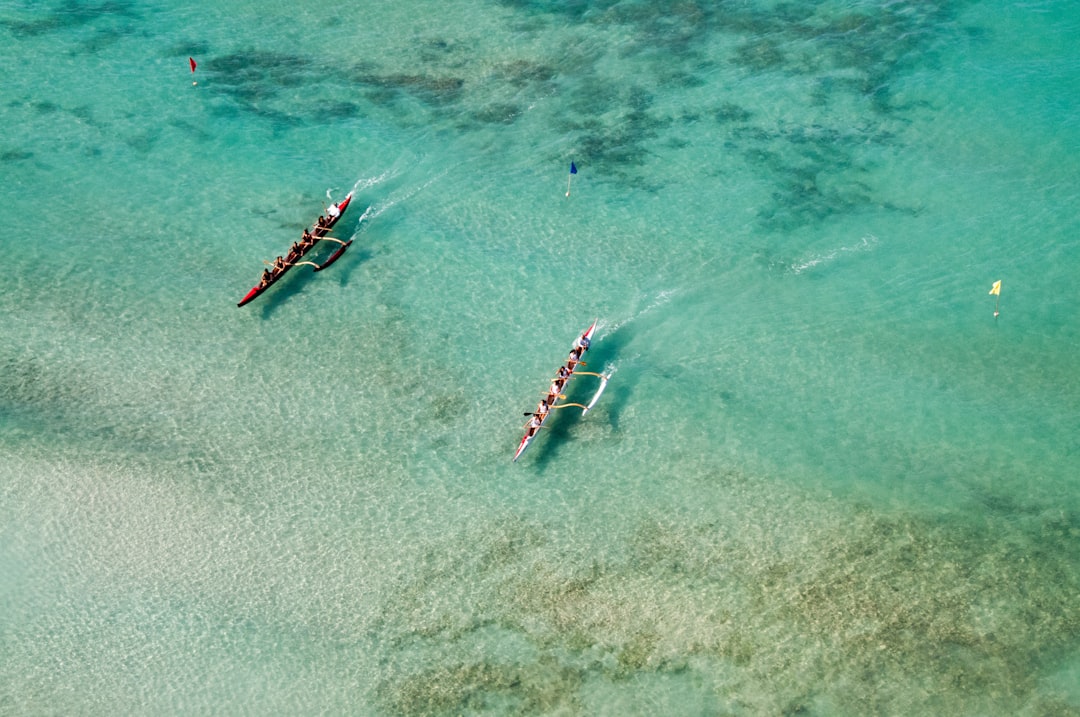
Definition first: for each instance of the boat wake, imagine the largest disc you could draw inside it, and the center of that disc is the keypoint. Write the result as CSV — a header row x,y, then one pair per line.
x,y
394,197
398,197
368,182
361,184
866,244
659,300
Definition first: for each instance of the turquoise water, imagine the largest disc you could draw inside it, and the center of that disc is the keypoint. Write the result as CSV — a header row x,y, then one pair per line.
x,y
823,480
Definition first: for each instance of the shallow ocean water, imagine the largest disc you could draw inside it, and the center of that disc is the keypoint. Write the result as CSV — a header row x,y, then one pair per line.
x,y
824,479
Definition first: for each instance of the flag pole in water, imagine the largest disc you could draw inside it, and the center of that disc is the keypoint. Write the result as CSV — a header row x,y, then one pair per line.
x,y
191,61
573,171
996,291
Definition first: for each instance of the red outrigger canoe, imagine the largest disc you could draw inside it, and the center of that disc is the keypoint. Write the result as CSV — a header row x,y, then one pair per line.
x,y
318,233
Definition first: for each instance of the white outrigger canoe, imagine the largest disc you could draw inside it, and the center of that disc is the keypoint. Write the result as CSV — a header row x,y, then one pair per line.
x,y
530,435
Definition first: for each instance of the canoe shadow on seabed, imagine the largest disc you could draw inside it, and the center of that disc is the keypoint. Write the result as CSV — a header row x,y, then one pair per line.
x,y
297,280
561,427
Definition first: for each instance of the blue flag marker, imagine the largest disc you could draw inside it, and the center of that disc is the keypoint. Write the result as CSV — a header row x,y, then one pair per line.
x,y
573,171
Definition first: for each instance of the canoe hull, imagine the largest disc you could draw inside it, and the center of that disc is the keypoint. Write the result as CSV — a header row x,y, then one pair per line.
x,y
318,234
527,440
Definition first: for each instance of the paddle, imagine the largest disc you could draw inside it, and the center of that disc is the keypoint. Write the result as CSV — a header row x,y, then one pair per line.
x,y
575,372
295,263
552,408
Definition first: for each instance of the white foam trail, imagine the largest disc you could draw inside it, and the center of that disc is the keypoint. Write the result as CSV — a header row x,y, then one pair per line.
x,y
408,193
865,245
368,182
360,221
375,209
363,183
662,298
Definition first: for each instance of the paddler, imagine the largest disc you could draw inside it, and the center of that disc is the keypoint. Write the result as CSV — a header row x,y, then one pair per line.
x,y
333,212
266,278
555,390
306,240
279,265
575,358
532,427
582,343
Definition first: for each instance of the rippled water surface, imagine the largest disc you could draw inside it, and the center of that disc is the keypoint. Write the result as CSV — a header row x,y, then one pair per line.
x,y
824,479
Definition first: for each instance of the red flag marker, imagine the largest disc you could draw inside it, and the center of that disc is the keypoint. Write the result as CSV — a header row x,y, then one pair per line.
x,y
191,60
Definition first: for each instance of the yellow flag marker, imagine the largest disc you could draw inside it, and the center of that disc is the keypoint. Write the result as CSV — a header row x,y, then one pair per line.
x,y
995,290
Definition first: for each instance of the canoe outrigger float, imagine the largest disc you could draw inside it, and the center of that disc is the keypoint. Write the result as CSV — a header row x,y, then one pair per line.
x,y
319,232
537,421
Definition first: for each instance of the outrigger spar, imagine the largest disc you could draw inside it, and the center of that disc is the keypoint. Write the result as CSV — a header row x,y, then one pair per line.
x,y
321,231
551,401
